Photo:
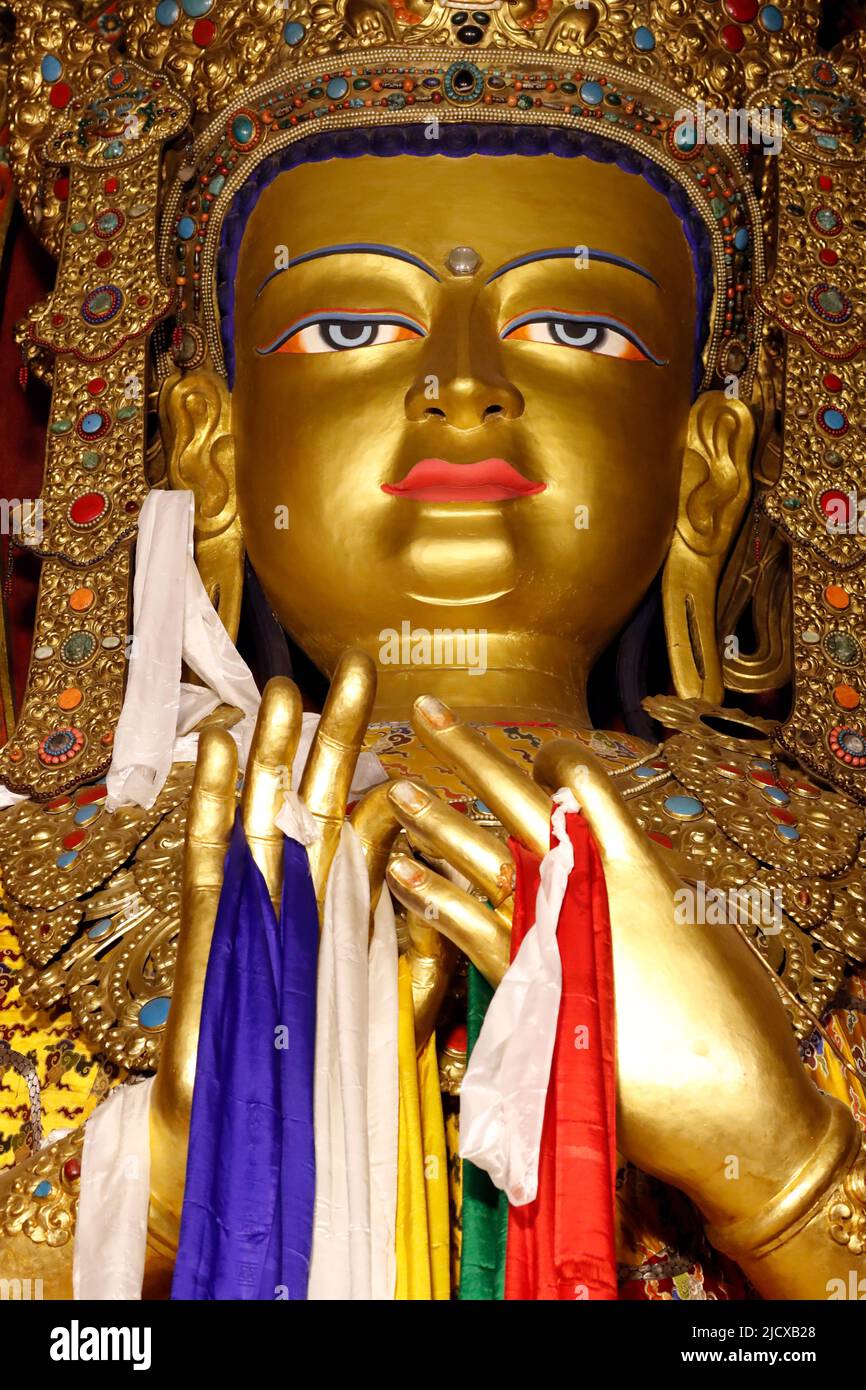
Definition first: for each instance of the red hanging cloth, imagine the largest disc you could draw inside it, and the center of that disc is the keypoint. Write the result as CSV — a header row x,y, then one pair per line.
x,y
562,1245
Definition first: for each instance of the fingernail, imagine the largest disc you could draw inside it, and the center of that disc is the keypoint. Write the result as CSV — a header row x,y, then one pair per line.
x,y
407,872
433,712
409,797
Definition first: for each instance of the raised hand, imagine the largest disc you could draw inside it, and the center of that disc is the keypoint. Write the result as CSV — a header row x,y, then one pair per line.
x,y
711,1092
325,788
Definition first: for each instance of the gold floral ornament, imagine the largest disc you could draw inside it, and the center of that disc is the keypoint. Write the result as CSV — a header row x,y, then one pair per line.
x,y
95,324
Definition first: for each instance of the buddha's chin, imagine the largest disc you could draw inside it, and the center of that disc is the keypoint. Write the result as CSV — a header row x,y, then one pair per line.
x,y
458,572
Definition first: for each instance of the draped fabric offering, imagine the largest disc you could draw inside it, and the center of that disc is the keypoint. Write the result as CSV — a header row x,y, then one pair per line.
x,y
355,1089
247,1221
423,1255
561,1245
484,1207
111,1230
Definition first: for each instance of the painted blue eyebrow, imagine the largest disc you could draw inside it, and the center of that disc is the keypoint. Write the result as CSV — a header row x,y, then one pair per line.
x,y
352,248
558,253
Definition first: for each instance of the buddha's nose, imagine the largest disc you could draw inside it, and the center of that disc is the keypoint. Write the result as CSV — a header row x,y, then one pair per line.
x,y
466,391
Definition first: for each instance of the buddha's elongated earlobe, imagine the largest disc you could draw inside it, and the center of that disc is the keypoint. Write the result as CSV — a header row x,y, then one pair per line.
x,y
195,418
714,491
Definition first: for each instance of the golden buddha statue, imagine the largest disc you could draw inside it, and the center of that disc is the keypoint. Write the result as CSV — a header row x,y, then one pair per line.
x,y
570,356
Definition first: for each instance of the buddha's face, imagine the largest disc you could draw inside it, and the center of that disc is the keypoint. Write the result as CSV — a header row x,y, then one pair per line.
x,y
487,438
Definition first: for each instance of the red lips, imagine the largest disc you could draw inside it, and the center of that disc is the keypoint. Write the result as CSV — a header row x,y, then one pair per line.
x,y
435,480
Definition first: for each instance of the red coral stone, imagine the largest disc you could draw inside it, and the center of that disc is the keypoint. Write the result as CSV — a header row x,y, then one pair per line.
x,y
203,33
732,38
87,798
743,11
61,189
74,839
111,185
96,386
71,1170
87,508
104,259
61,95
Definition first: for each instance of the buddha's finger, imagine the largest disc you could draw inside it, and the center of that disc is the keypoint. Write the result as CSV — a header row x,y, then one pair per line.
x,y
267,779
516,801
437,830
431,957
208,830
620,840
483,936
330,767
377,826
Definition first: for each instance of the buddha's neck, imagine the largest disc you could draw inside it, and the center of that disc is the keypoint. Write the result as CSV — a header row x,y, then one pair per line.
x,y
538,682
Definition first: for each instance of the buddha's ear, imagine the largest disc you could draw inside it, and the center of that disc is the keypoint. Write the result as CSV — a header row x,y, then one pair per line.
x,y
195,419
714,490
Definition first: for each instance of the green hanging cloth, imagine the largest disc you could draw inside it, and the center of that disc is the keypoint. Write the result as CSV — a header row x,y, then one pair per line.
x,y
485,1208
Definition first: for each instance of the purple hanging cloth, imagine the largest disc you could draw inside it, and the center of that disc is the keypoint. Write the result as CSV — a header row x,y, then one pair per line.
x,y
247,1222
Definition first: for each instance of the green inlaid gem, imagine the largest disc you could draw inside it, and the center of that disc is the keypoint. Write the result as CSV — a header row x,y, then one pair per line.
x,y
61,426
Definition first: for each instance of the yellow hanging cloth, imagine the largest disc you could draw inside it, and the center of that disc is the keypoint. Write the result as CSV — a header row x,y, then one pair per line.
x,y
422,1171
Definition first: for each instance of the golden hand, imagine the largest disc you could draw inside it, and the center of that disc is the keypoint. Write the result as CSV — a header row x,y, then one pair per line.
x,y
711,1092
324,788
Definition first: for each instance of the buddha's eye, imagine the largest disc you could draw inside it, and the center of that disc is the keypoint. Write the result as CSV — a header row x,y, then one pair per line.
x,y
343,330
588,332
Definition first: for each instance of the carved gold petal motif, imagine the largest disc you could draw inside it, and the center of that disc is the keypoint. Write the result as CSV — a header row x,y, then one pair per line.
x,y
33,838
772,811
41,1201
42,934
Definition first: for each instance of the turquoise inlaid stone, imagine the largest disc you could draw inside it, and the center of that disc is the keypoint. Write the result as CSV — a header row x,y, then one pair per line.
x,y
100,929
154,1013
592,93
646,772
196,8
524,101
777,795
108,222
78,647
741,238
217,184
683,807
51,68
167,12
186,228
842,647
243,129
787,832
293,32
686,136
113,150
644,39
92,422
337,88
792,504
61,426
483,808
43,1189
771,18
78,227
126,412
84,814
68,857
827,142
827,219
396,100
833,419
810,636
719,208
90,459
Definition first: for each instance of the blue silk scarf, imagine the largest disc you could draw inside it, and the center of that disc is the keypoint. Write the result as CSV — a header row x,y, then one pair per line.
x,y
247,1222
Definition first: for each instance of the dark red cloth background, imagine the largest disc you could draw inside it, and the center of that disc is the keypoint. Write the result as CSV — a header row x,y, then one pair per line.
x,y
562,1245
